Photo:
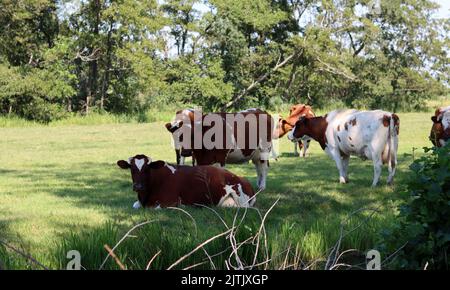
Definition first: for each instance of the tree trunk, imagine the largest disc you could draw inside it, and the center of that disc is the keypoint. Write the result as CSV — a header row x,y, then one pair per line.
x,y
105,84
93,78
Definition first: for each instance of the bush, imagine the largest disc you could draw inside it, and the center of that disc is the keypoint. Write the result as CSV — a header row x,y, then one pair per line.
x,y
424,220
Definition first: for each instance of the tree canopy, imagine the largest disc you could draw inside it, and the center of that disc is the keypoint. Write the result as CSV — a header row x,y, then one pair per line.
x,y
124,56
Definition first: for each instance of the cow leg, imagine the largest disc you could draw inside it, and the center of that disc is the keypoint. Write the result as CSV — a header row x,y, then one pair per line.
x,y
182,160
295,149
345,160
256,162
178,154
305,146
337,159
262,167
377,164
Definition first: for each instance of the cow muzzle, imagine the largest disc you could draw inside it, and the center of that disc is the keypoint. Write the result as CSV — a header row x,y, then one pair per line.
x,y
138,187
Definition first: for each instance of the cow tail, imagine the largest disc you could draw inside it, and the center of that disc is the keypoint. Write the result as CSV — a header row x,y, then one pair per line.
x,y
393,140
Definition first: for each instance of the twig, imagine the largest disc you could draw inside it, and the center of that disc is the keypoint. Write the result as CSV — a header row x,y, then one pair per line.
x,y
189,215
193,266
23,254
152,259
112,254
198,247
123,238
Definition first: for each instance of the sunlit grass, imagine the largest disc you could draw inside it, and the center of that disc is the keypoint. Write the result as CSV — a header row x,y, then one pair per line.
x,y
57,182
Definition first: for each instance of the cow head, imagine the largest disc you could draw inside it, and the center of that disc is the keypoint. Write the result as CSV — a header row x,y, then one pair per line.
x,y
140,167
300,129
173,126
185,116
441,128
296,109
282,128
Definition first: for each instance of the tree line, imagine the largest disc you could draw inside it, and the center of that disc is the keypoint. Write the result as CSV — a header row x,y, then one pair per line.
x,y
124,56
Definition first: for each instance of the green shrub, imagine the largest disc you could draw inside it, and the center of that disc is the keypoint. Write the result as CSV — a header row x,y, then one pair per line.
x,y
423,234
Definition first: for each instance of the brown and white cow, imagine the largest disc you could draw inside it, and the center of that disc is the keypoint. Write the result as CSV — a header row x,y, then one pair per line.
x,y
159,184
258,152
368,134
284,126
440,131
185,116
241,142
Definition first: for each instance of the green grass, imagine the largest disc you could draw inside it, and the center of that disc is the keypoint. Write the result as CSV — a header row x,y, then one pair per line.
x,y
61,190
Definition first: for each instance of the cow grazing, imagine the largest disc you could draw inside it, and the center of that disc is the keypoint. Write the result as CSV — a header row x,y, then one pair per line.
x,y
368,134
185,116
159,184
284,126
440,131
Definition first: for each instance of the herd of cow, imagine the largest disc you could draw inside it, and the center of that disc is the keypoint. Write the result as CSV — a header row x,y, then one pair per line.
x,y
341,133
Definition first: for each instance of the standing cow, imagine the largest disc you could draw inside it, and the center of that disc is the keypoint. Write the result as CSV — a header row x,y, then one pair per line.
x,y
284,126
368,134
159,184
245,136
440,131
185,116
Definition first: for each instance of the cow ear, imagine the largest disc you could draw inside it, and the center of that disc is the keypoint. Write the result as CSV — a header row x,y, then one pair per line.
x,y
434,119
123,164
168,126
157,164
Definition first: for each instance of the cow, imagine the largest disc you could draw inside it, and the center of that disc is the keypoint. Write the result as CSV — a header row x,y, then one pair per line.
x,y
183,116
368,134
440,131
237,146
284,126
159,184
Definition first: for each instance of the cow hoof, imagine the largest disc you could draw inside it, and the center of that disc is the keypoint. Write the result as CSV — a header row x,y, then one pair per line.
x,y
137,205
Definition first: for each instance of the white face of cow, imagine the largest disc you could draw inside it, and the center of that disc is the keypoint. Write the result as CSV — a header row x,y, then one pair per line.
x,y
446,120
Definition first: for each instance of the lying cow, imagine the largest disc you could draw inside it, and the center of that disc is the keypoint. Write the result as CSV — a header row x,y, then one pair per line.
x,y
159,184
185,116
284,126
367,134
440,131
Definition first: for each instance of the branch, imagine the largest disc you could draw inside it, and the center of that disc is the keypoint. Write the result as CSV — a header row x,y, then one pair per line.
x,y
198,247
258,81
95,55
333,70
23,254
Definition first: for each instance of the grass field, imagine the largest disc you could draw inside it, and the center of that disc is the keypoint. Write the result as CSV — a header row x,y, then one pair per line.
x,y
60,189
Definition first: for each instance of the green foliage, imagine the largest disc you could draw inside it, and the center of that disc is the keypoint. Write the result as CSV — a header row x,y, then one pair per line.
x,y
126,56
425,226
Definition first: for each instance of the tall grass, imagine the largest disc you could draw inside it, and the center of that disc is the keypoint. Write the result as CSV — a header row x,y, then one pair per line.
x,y
290,245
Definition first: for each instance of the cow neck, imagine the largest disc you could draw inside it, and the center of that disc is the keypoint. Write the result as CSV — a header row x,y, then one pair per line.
x,y
156,177
318,128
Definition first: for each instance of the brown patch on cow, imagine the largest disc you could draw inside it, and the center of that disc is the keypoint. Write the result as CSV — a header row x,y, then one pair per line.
x,y
353,122
339,139
339,128
350,138
352,145
314,127
346,127
386,120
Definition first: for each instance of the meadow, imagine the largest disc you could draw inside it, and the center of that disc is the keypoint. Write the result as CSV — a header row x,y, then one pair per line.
x,y
61,190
